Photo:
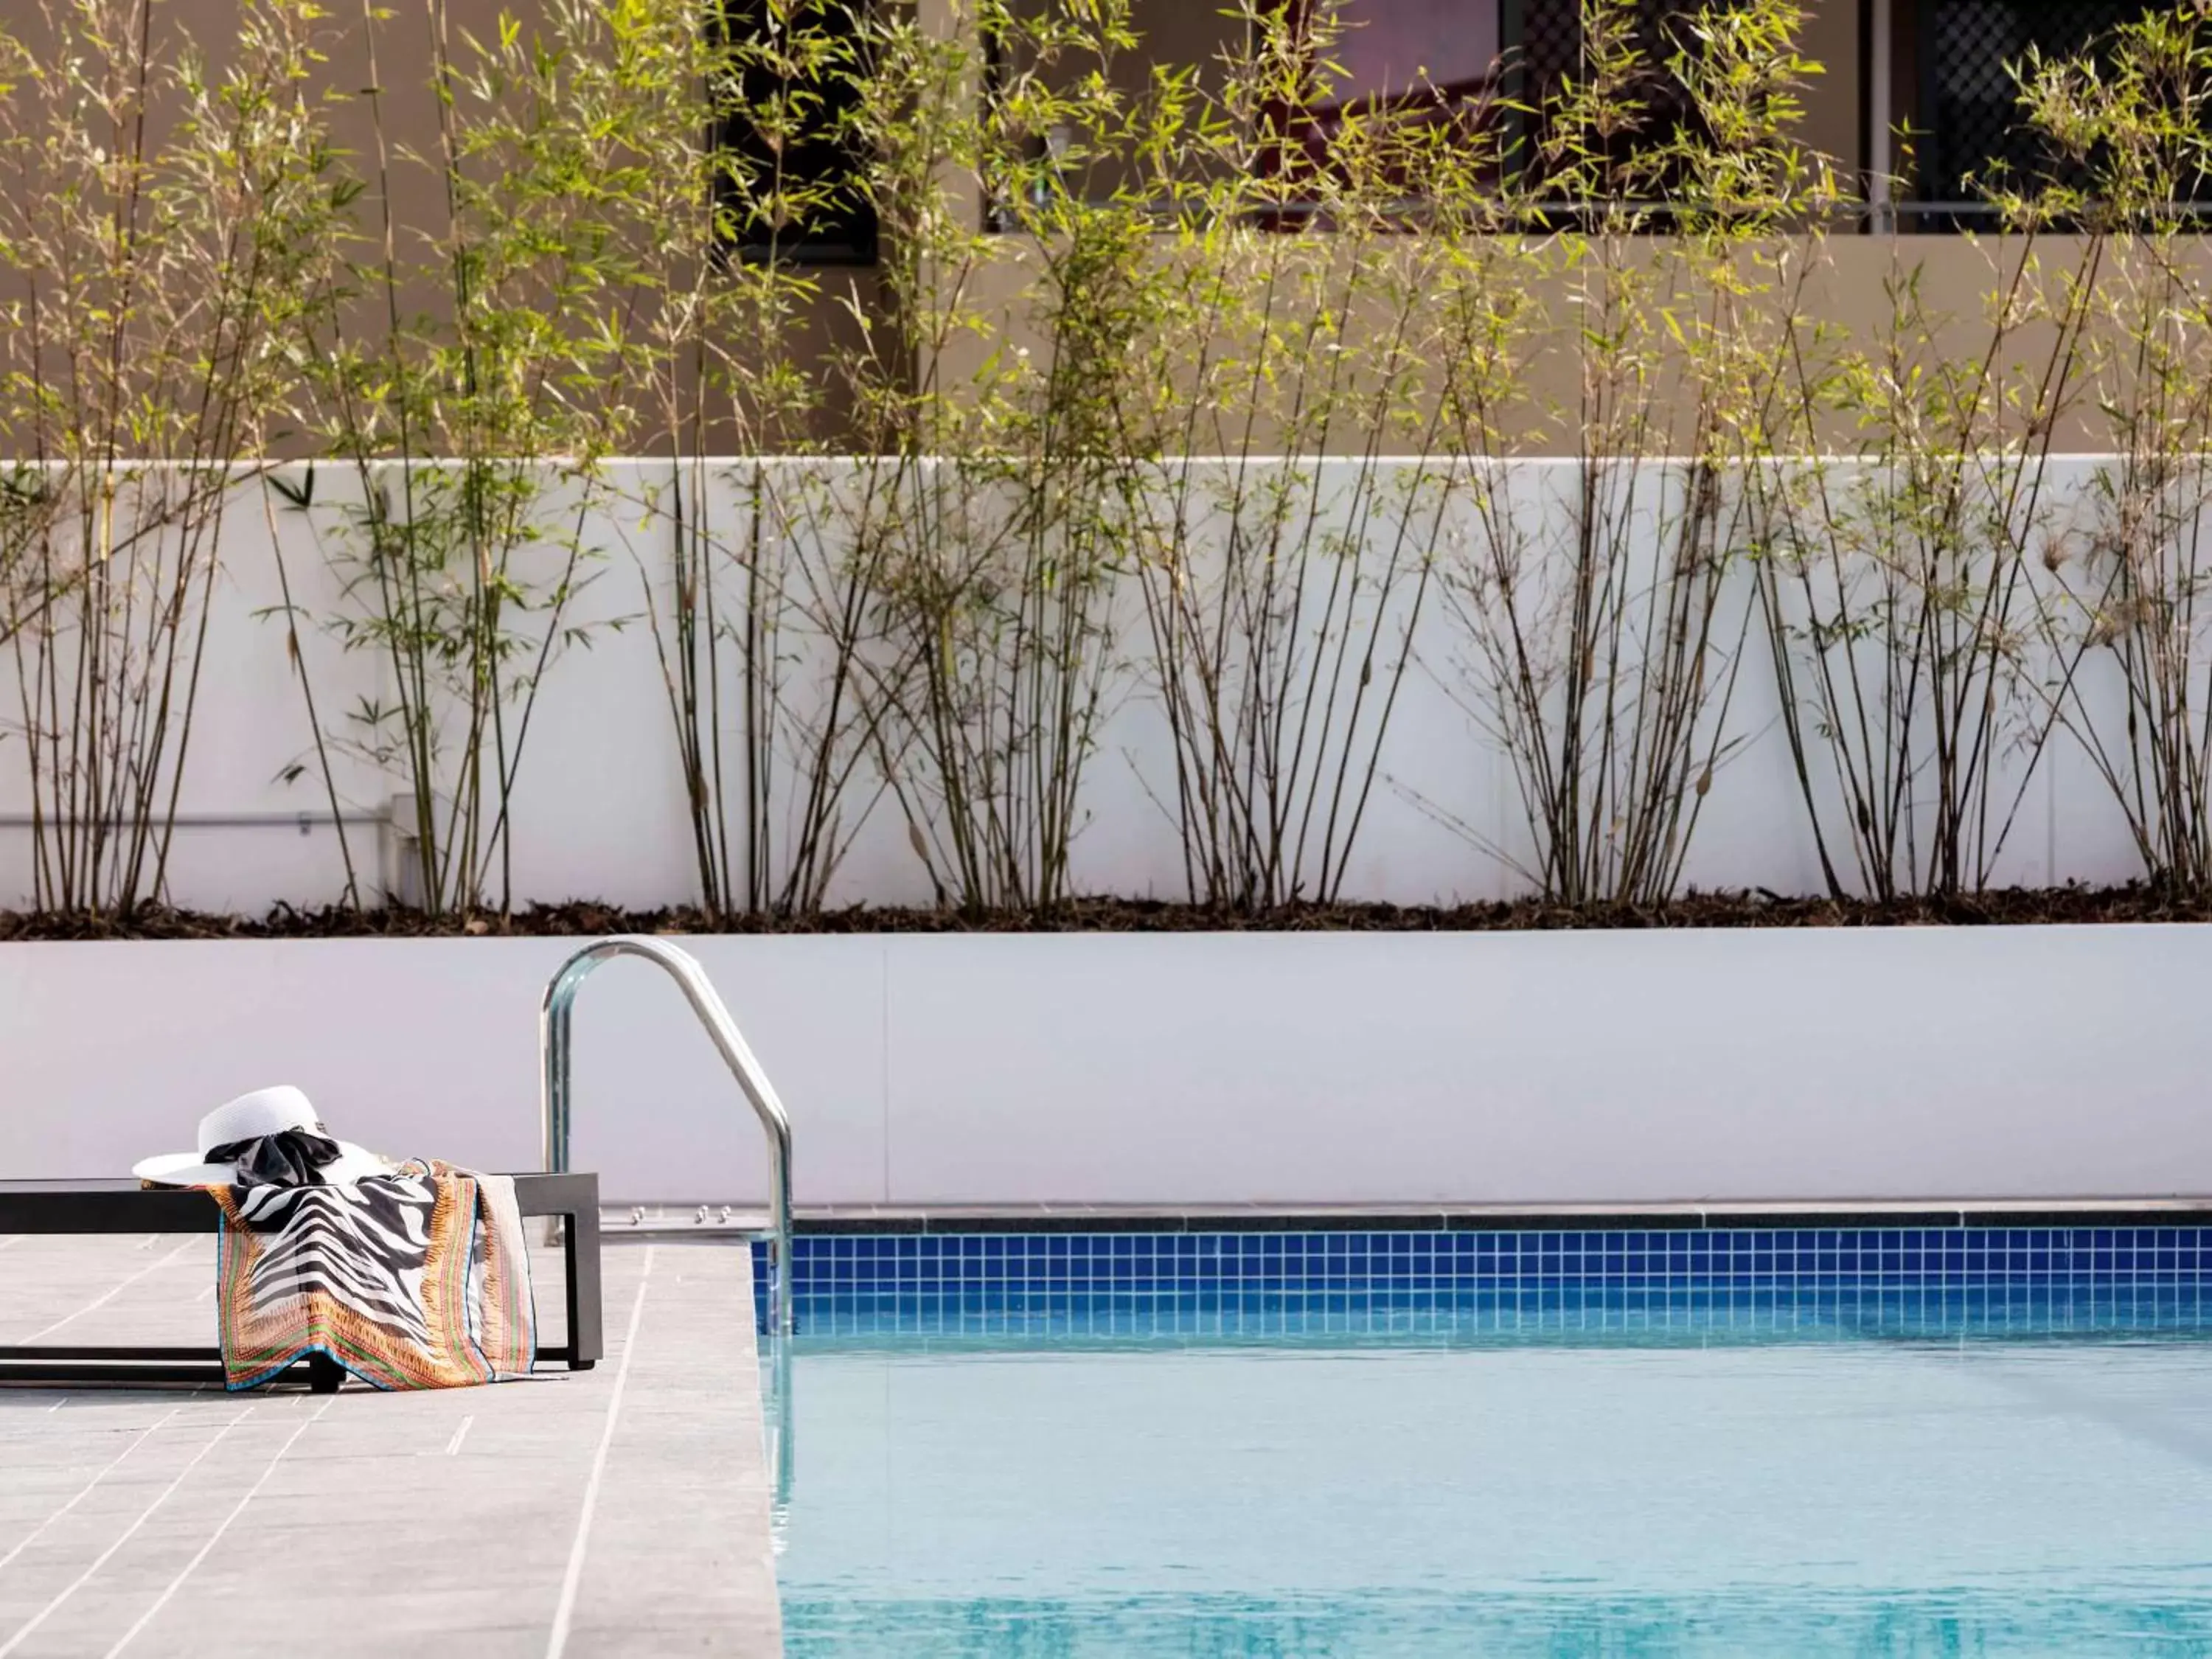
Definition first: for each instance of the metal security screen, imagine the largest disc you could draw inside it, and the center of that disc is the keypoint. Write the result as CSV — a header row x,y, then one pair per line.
x,y
1969,127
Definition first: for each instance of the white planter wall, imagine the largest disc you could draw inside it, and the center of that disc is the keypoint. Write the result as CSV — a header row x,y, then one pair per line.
x,y
1199,1069
599,812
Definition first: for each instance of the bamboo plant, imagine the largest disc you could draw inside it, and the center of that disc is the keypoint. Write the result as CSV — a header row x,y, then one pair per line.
x,y
157,267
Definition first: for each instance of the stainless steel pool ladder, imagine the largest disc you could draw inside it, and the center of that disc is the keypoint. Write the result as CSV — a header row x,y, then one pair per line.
x,y
553,1020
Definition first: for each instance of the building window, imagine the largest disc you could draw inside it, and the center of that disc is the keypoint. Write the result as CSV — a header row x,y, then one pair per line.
x,y
1405,61
1545,46
1970,131
1393,53
1967,133
791,190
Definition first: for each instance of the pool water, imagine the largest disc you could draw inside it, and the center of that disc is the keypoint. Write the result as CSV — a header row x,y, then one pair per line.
x,y
1398,1497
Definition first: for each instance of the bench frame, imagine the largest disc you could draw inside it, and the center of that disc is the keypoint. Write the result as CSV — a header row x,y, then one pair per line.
x,y
65,1207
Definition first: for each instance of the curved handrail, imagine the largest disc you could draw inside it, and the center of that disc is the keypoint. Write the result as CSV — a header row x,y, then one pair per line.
x,y
553,1019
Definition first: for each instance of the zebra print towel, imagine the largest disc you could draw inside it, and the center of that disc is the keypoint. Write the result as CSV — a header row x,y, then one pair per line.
x,y
418,1279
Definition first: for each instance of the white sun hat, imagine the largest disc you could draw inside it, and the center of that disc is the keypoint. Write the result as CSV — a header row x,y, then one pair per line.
x,y
228,1135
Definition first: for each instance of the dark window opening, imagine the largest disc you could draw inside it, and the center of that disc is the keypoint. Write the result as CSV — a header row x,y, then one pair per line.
x,y
1406,67
1546,44
791,187
1968,133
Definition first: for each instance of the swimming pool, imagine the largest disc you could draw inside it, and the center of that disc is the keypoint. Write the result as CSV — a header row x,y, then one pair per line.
x,y
1856,1442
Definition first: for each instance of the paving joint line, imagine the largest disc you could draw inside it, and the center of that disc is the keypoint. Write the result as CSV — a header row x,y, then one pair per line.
x,y
128,1534
108,1296
40,1531
565,1612
222,1527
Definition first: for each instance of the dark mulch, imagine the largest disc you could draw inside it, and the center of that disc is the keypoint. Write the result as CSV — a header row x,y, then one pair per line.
x,y
1758,909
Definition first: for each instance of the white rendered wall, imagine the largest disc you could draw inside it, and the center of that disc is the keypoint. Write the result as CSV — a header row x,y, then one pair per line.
x,y
1199,1069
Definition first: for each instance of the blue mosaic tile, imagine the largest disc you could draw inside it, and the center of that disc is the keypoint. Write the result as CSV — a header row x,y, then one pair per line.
x,y
1840,1280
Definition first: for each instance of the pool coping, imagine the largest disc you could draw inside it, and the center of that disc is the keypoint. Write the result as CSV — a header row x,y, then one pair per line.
x,y
852,1220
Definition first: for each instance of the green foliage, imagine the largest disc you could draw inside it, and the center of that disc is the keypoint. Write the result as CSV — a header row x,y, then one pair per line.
x,y
1153,402
2120,589
1933,622
460,573
154,271
1606,672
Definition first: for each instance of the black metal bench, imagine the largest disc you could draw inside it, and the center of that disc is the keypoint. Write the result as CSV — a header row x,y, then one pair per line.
x,y
125,1207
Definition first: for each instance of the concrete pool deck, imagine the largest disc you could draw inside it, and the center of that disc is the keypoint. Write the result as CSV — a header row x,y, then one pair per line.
x,y
621,1510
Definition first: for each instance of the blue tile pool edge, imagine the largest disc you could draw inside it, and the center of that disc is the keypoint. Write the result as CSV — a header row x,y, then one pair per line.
x,y
1084,1218
2145,1275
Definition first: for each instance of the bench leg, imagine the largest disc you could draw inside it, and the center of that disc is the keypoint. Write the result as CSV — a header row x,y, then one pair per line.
x,y
580,1245
325,1374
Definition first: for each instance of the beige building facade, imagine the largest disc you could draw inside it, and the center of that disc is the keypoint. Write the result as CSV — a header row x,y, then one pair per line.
x,y
1933,68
